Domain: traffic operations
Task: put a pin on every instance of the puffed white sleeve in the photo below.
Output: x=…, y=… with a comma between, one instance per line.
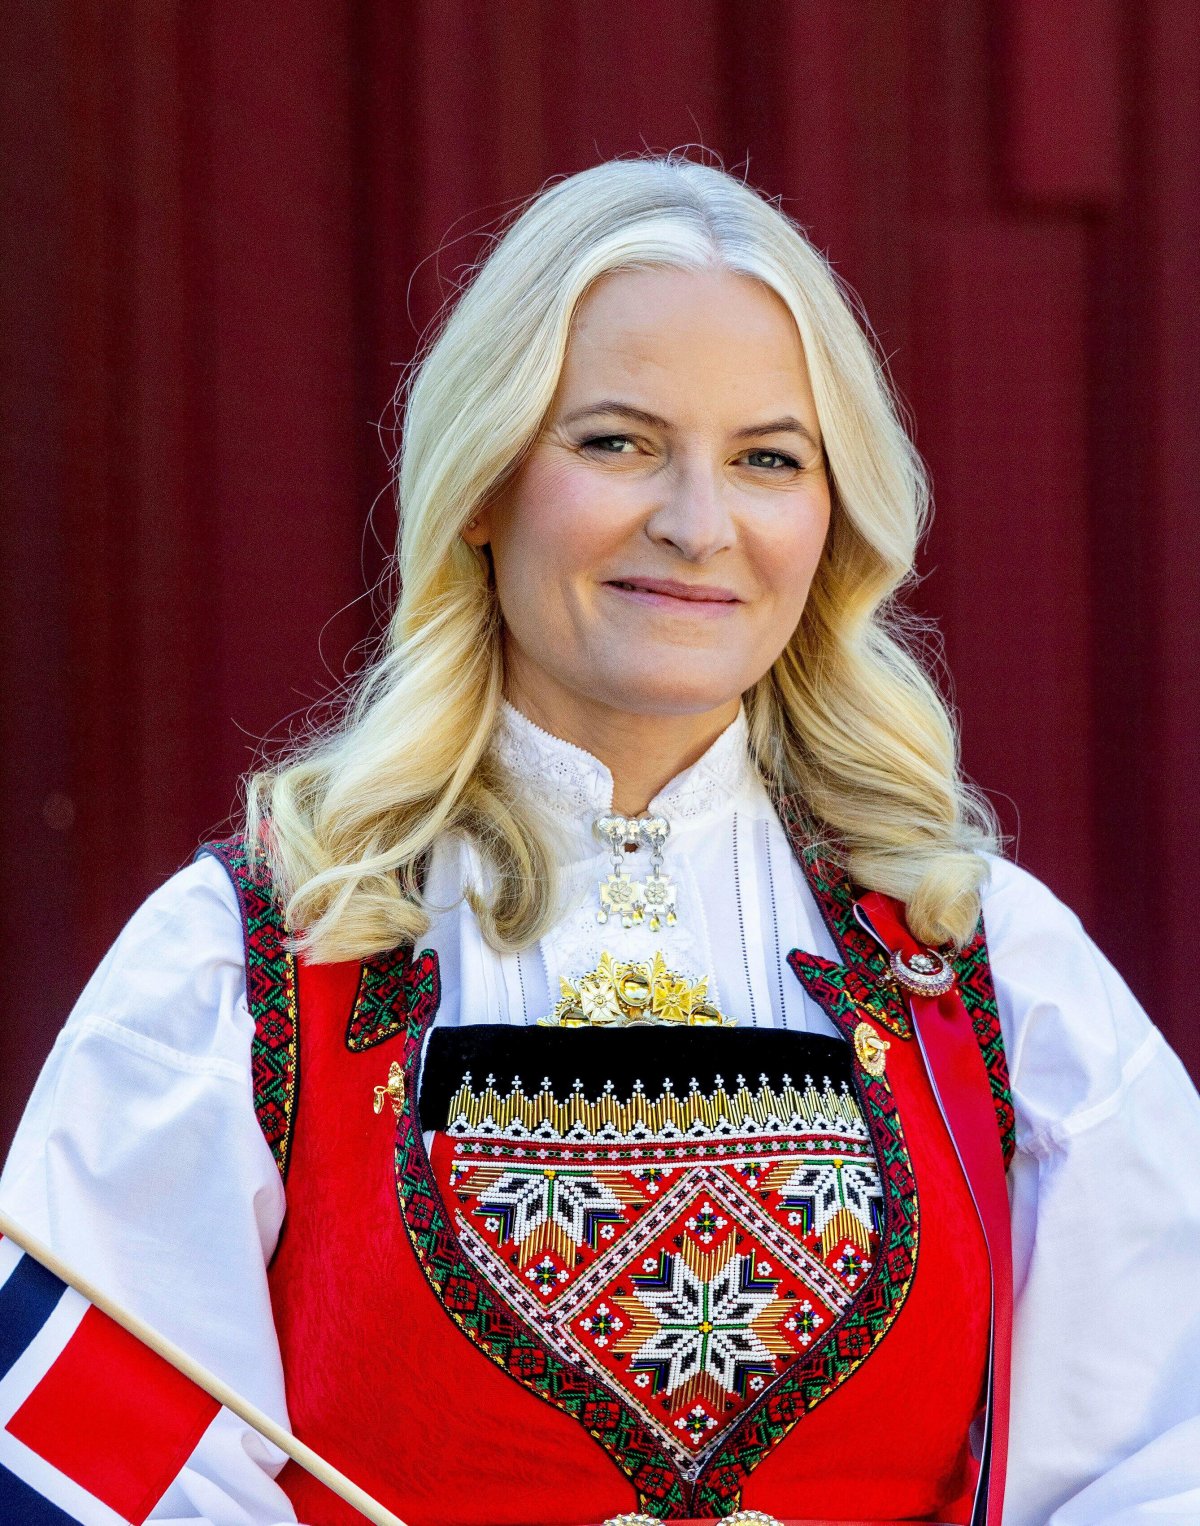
x=140, y=1162
x=1106, y=1231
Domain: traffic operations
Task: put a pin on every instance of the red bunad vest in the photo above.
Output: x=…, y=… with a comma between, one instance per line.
x=573, y=1273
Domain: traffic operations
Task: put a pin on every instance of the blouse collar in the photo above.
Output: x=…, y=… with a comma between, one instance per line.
x=575, y=785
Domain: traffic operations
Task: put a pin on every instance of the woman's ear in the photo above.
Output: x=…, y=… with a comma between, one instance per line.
x=477, y=531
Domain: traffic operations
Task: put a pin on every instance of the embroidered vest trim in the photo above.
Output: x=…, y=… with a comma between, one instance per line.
x=391, y=987
x=270, y=996
x=835, y=895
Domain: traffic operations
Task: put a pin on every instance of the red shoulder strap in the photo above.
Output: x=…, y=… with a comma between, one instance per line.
x=964, y=1093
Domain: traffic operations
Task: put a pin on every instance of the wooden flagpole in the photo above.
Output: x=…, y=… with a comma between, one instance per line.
x=208, y=1381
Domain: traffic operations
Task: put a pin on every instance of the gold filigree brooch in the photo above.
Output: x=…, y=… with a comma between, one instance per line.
x=617, y=994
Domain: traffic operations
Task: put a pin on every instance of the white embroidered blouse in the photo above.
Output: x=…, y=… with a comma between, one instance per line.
x=140, y=1160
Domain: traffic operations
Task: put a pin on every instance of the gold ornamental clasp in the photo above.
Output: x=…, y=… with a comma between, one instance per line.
x=394, y=1089
x=870, y=1049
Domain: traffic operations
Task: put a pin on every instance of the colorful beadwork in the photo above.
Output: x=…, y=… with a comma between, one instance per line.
x=684, y=1264
x=882, y=1294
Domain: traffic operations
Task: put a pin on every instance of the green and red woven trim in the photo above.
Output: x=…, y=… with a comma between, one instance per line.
x=270, y=996
x=835, y=894
x=394, y=990
x=979, y=997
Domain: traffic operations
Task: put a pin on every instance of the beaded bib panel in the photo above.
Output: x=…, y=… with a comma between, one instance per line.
x=657, y=1236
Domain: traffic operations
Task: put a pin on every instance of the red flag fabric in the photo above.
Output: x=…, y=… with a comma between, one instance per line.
x=94, y=1425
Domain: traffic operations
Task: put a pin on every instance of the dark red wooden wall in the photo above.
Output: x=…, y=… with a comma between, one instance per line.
x=225, y=226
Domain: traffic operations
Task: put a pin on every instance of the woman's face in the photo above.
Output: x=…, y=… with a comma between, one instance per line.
x=654, y=551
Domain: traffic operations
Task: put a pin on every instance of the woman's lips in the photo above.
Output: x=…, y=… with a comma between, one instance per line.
x=678, y=598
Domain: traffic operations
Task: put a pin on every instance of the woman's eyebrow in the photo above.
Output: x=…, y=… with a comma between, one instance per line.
x=785, y=425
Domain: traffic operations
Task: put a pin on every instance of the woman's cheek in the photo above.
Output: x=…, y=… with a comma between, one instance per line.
x=593, y=536
x=798, y=538
x=784, y=574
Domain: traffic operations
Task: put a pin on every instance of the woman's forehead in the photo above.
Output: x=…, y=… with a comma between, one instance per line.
x=663, y=339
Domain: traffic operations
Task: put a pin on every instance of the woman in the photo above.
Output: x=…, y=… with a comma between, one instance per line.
x=443, y=1180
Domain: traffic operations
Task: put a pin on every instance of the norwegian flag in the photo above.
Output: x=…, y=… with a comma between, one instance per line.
x=94, y=1425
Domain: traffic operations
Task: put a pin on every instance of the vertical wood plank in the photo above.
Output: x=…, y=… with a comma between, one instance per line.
x=1063, y=102
x=38, y=857
x=1002, y=360
x=1172, y=167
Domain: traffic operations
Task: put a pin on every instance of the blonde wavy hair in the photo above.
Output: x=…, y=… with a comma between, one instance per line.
x=846, y=726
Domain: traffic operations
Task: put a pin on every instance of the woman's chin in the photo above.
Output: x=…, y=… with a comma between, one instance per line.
x=672, y=691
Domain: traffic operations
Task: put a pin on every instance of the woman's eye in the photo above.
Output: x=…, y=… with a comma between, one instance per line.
x=778, y=456
x=603, y=443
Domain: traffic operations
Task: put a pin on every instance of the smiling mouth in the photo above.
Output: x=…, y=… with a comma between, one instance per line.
x=678, y=592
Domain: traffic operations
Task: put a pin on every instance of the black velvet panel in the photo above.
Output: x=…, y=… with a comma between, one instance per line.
x=622, y=1056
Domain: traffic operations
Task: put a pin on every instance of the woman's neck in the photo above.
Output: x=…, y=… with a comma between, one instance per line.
x=642, y=752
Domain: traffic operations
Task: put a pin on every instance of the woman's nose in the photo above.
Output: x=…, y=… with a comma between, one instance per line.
x=692, y=512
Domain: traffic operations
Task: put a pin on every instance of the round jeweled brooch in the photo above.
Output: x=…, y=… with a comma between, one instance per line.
x=924, y=972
